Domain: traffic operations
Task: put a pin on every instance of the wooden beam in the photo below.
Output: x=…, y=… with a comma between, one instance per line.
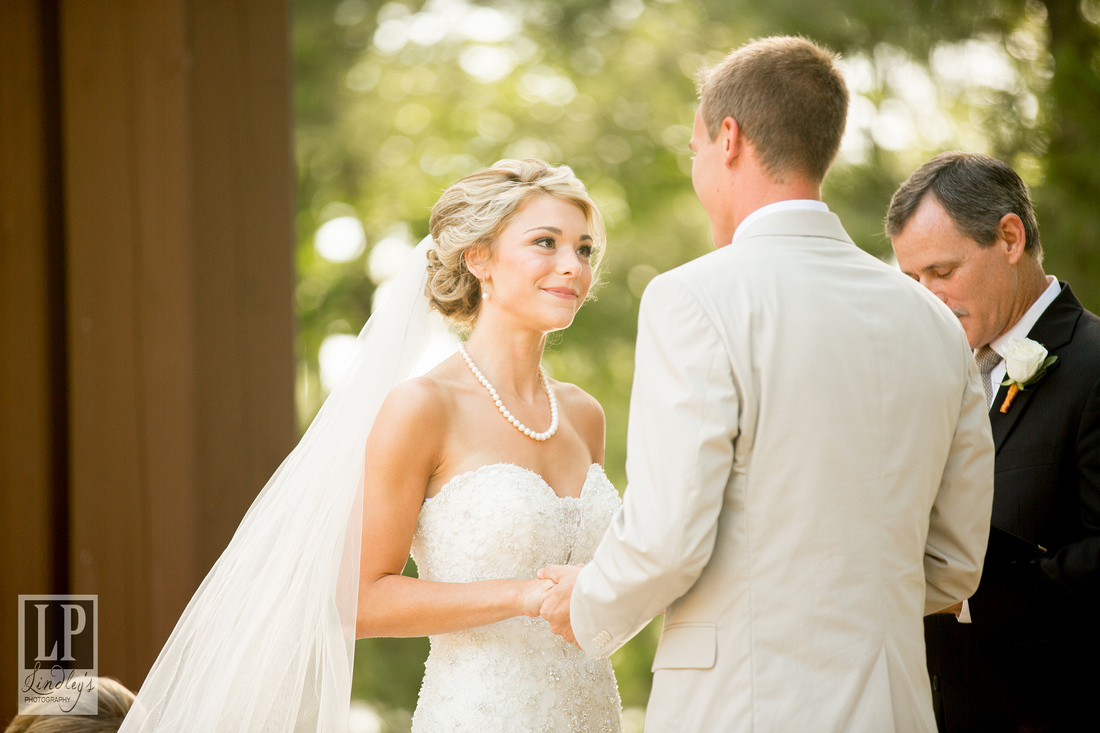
x=180, y=276
x=130, y=327
x=33, y=504
x=242, y=190
x=146, y=325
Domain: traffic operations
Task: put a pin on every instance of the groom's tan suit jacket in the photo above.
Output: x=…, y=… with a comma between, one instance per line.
x=810, y=472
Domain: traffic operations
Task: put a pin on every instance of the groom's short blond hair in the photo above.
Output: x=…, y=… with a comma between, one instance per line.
x=788, y=98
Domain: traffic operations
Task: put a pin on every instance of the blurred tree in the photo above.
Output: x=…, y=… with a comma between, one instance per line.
x=1071, y=185
x=395, y=100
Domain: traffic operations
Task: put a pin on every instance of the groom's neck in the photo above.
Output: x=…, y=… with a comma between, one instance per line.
x=749, y=186
x=757, y=189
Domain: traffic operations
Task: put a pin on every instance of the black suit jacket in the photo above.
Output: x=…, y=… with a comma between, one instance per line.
x=1030, y=661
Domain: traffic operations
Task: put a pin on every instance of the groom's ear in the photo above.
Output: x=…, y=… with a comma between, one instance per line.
x=732, y=139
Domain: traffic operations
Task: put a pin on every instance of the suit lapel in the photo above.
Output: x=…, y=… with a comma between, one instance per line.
x=1003, y=422
x=1054, y=329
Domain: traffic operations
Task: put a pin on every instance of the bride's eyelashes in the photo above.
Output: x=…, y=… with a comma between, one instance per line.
x=585, y=250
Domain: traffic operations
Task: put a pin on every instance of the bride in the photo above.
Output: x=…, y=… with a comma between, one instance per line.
x=490, y=470
x=484, y=468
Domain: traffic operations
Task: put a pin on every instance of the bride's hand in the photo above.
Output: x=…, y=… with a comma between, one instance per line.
x=534, y=595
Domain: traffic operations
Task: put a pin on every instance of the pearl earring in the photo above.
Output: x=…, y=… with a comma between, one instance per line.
x=484, y=292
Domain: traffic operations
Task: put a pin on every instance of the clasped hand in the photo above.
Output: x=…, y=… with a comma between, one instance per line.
x=550, y=598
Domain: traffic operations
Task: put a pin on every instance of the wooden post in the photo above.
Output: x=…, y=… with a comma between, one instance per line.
x=33, y=409
x=153, y=231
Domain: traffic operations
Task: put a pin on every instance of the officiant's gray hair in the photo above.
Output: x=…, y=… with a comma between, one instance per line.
x=975, y=190
x=788, y=98
x=471, y=214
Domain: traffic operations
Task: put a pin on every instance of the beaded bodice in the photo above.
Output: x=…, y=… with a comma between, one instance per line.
x=504, y=521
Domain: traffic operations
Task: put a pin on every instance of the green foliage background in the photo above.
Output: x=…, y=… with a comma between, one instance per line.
x=395, y=100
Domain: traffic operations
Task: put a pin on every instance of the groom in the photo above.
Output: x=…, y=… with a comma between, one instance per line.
x=810, y=464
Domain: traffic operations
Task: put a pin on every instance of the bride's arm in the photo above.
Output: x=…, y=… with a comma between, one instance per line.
x=402, y=452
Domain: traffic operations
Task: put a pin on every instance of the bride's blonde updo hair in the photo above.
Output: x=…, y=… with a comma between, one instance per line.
x=473, y=211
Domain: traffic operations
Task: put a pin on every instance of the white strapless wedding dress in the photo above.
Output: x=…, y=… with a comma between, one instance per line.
x=504, y=521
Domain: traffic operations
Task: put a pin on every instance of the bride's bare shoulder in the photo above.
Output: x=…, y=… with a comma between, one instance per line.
x=410, y=431
x=430, y=396
x=576, y=399
x=584, y=412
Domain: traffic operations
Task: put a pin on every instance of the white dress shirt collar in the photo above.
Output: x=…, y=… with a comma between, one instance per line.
x=1021, y=329
x=775, y=208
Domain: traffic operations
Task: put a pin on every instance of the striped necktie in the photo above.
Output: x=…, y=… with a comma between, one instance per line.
x=987, y=358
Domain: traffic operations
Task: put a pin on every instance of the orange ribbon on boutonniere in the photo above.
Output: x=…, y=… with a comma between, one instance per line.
x=1026, y=362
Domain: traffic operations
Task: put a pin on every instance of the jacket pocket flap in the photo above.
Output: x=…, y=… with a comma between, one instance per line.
x=687, y=646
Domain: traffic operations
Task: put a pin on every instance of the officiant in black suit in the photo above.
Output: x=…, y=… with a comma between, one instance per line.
x=1023, y=653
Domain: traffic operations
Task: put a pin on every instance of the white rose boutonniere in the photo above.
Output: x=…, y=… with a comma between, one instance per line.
x=1026, y=362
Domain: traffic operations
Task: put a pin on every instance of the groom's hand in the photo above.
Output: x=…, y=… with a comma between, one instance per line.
x=534, y=596
x=555, y=606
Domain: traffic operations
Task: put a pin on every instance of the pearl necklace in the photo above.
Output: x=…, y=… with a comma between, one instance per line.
x=504, y=410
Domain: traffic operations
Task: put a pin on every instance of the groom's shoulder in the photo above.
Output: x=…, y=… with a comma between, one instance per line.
x=728, y=258
x=680, y=280
x=696, y=286
x=728, y=266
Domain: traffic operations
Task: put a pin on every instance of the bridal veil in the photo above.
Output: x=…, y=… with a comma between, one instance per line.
x=267, y=642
